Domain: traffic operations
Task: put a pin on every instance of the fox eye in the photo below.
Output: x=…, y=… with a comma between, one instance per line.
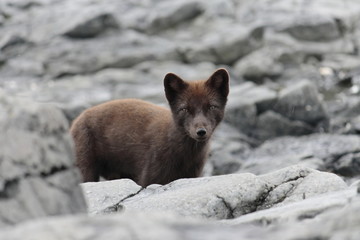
x=212, y=107
x=183, y=110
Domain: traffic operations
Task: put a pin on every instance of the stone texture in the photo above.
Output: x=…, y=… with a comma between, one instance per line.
x=314, y=28
x=37, y=174
x=228, y=145
x=309, y=208
x=262, y=113
x=301, y=102
x=108, y=193
x=271, y=125
x=76, y=54
x=93, y=26
x=164, y=226
x=246, y=101
x=224, y=197
x=271, y=65
x=320, y=151
x=166, y=15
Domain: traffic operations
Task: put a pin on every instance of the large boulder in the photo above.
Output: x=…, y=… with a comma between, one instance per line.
x=307, y=209
x=302, y=102
x=263, y=113
x=95, y=25
x=331, y=152
x=314, y=28
x=220, y=197
x=336, y=223
x=37, y=173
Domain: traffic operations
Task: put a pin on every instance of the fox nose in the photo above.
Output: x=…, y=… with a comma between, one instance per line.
x=201, y=132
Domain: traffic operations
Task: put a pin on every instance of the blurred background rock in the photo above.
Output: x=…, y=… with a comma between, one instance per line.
x=294, y=65
x=294, y=100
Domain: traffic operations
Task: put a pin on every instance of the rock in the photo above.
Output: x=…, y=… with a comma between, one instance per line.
x=76, y=54
x=263, y=97
x=37, y=173
x=239, y=41
x=92, y=27
x=344, y=111
x=73, y=94
x=348, y=165
x=270, y=66
x=227, y=145
x=314, y=28
x=166, y=15
x=13, y=45
x=261, y=114
x=320, y=151
x=219, y=197
x=227, y=196
x=71, y=58
x=308, y=209
x=295, y=183
x=326, y=224
x=301, y=102
x=270, y=125
x=108, y=193
x=341, y=62
x=245, y=102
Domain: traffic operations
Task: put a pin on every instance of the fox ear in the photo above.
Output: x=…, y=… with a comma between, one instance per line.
x=219, y=80
x=173, y=86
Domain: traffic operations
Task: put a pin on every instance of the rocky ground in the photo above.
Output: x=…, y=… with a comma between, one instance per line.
x=284, y=164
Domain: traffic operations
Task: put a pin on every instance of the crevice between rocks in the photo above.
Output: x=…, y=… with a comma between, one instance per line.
x=11, y=186
x=261, y=202
x=117, y=207
x=231, y=210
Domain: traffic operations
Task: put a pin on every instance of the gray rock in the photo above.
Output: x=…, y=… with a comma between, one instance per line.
x=326, y=224
x=108, y=193
x=270, y=125
x=37, y=174
x=227, y=196
x=219, y=197
x=238, y=42
x=295, y=183
x=320, y=151
x=307, y=209
x=347, y=165
x=246, y=101
x=341, y=62
x=166, y=15
x=73, y=94
x=71, y=58
x=301, y=102
x=270, y=66
x=262, y=113
x=227, y=145
x=314, y=28
x=92, y=27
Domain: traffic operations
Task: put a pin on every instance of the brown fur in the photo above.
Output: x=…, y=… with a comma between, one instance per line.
x=138, y=140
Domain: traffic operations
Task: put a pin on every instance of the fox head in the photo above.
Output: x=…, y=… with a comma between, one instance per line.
x=198, y=107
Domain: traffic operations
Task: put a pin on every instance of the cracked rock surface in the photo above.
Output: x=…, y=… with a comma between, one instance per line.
x=331, y=152
x=337, y=219
x=37, y=174
x=218, y=197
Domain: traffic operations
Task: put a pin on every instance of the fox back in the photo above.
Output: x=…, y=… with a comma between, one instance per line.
x=149, y=144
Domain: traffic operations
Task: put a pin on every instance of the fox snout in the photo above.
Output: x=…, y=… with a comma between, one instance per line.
x=200, y=130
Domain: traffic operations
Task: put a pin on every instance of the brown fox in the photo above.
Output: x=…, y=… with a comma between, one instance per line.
x=149, y=144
